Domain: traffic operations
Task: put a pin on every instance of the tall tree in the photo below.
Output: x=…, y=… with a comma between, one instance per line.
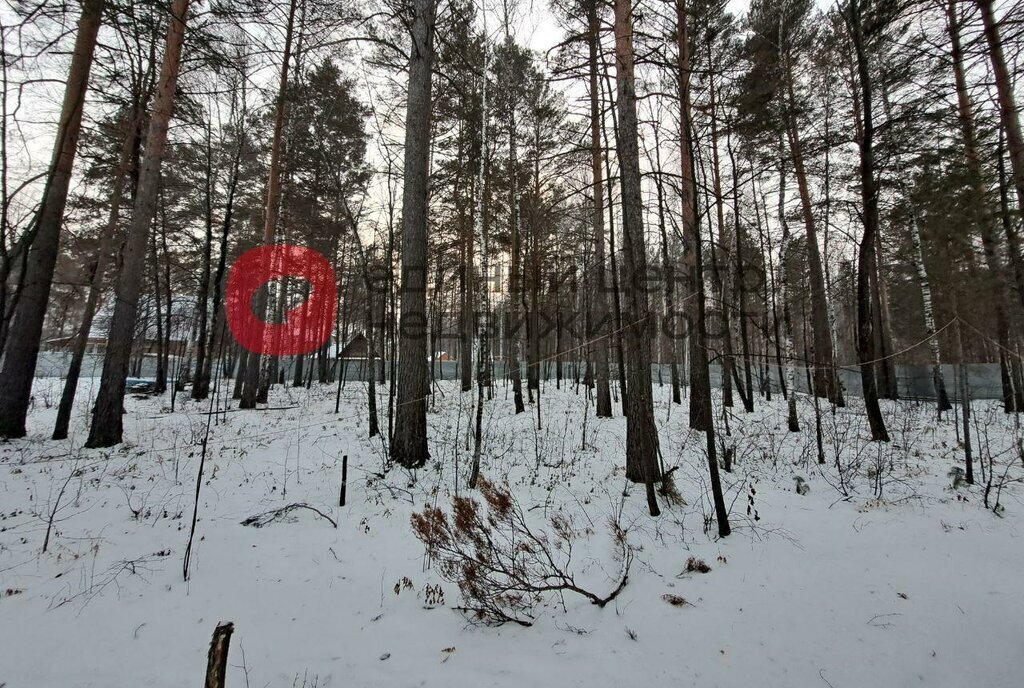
x=701, y=418
x=599, y=304
x=782, y=38
x=641, y=433
x=700, y=379
x=938, y=380
x=257, y=369
x=784, y=292
x=409, y=446
x=1008, y=111
x=98, y=269
x=22, y=346
x=866, y=20
x=106, y=428
x=514, y=84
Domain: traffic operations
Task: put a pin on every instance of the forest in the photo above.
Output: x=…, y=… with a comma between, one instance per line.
x=504, y=342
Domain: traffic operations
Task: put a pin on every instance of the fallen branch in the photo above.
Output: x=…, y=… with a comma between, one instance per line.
x=267, y=517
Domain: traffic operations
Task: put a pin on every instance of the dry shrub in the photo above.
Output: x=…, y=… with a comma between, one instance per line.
x=695, y=565
x=675, y=600
x=502, y=566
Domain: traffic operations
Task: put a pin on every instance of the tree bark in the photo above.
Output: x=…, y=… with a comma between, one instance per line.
x=641, y=433
x=616, y=293
x=409, y=447
x=480, y=226
x=885, y=368
x=467, y=281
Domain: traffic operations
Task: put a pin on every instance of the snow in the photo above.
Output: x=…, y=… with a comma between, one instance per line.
x=916, y=586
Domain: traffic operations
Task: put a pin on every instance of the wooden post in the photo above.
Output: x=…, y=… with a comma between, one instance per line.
x=344, y=479
x=217, y=664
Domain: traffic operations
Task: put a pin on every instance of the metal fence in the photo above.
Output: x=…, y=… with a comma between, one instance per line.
x=912, y=380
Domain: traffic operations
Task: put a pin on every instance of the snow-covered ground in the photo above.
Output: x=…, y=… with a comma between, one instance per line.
x=905, y=581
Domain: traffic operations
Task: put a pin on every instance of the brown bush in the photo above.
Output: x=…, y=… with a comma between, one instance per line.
x=695, y=565
x=502, y=567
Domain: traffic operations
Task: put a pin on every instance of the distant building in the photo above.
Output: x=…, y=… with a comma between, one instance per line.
x=182, y=326
x=355, y=350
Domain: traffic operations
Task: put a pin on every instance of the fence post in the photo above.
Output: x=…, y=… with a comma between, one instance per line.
x=344, y=479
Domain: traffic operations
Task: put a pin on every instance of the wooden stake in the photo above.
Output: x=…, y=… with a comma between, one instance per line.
x=344, y=479
x=217, y=664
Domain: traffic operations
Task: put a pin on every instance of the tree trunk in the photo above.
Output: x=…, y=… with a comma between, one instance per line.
x=740, y=286
x=770, y=320
x=466, y=284
x=515, y=221
x=1013, y=375
x=993, y=263
x=98, y=272
x=866, y=350
x=616, y=293
x=886, y=367
x=701, y=414
x=641, y=433
x=409, y=447
x=533, y=318
x=243, y=363
x=160, y=384
x=787, y=319
x=203, y=300
x=371, y=353
x=106, y=427
x=700, y=381
x=667, y=275
x=480, y=226
x=299, y=361
x=1004, y=89
x=21, y=348
x=719, y=275
x=942, y=399
x=823, y=361
x=602, y=331
x=201, y=386
x=257, y=370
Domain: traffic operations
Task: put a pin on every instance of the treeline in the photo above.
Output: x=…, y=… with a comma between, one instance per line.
x=798, y=185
